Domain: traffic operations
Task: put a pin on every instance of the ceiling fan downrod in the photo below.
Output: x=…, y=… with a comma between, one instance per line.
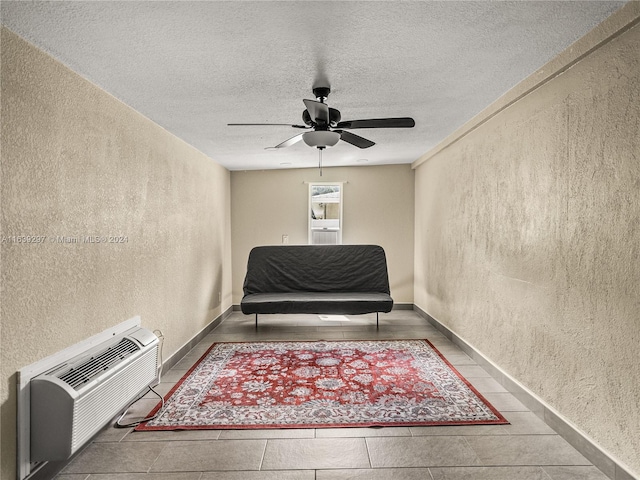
x=320, y=159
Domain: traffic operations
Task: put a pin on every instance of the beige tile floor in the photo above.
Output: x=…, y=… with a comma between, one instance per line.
x=526, y=449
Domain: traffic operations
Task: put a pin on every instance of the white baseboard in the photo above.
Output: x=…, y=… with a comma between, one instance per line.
x=188, y=346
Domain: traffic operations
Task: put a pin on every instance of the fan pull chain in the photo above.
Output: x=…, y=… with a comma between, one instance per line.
x=320, y=161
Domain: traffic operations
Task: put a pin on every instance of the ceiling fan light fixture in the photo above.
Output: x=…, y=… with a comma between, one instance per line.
x=321, y=138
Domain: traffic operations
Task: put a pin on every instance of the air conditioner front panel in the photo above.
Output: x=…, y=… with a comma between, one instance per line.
x=93, y=410
x=64, y=416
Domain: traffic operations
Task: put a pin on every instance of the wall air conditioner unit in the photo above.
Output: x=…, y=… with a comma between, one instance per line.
x=72, y=401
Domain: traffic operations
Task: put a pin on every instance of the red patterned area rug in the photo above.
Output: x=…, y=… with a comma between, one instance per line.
x=321, y=384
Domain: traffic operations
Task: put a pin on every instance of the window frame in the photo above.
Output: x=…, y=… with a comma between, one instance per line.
x=310, y=228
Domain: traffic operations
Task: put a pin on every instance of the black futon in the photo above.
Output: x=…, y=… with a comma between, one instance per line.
x=320, y=279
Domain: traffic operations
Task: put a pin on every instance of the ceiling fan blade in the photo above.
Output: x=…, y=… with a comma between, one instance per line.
x=265, y=124
x=356, y=140
x=401, y=122
x=318, y=111
x=287, y=143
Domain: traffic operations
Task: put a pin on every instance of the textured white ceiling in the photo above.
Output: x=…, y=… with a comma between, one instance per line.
x=193, y=67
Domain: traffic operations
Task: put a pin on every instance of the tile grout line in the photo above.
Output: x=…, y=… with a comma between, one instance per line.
x=264, y=451
x=546, y=473
x=468, y=444
x=157, y=457
x=366, y=444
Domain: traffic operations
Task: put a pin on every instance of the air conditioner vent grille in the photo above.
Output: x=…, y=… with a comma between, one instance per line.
x=86, y=371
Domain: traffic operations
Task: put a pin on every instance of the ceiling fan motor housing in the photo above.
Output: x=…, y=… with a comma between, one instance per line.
x=334, y=117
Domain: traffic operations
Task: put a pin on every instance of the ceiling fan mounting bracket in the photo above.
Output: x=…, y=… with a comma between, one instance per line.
x=321, y=93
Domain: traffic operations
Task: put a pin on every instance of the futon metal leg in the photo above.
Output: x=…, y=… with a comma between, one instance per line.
x=256, y=321
x=377, y=324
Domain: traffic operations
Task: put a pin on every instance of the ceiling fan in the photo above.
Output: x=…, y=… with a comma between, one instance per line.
x=325, y=128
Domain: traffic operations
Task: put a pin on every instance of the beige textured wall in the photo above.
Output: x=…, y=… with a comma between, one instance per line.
x=77, y=162
x=378, y=209
x=528, y=239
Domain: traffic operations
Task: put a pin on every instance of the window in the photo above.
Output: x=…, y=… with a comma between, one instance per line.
x=325, y=213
